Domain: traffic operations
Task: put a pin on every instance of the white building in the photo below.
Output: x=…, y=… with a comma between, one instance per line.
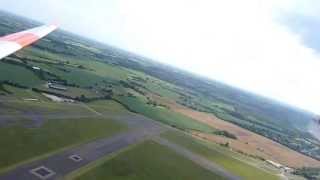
x=279, y=166
x=36, y=68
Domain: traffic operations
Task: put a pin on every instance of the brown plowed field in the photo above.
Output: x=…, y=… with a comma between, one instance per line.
x=247, y=142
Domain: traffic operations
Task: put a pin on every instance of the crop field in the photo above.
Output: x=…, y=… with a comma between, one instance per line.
x=148, y=161
x=233, y=165
x=19, y=142
x=247, y=141
x=27, y=77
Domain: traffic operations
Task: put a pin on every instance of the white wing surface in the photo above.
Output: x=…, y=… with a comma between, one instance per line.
x=11, y=43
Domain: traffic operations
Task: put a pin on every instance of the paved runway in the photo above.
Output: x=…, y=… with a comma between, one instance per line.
x=141, y=128
x=61, y=164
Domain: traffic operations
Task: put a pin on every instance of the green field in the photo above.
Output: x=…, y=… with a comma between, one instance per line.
x=26, y=77
x=93, y=72
x=164, y=115
x=231, y=164
x=107, y=106
x=148, y=161
x=23, y=93
x=19, y=143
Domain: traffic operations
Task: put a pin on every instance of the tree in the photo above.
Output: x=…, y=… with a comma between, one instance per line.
x=226, y=144
x=81, y=67
x=82, y=98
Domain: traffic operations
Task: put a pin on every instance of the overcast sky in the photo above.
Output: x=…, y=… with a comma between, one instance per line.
x=270, y=47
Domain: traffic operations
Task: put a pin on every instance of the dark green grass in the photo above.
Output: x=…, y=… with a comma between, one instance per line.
x=18, y=74
x=94, y=72
x=164, y=115
x=19, y=143
x=232, y=165
x=76, y=76
x=149, y=161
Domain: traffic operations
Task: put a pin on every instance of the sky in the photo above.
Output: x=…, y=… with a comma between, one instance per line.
x=270, y=47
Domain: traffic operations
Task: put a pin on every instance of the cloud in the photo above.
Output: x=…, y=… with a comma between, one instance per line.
x=240, y=43
x=308, y=8
x=243, y=43
x=303, y=17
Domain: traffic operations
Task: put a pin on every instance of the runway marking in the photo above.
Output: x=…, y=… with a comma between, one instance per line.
x=42, y=172
x=75, y=158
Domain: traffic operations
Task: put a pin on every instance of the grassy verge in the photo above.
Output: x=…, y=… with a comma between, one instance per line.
x=41, y=108
x=146, y=161
x=107, y=106
x=19, y=143
x=231, y=164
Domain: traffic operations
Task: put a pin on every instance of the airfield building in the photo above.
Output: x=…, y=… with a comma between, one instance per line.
x=56, y=87
x=36, y=68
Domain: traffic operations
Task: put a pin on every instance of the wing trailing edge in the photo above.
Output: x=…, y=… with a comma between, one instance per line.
x=11, y=43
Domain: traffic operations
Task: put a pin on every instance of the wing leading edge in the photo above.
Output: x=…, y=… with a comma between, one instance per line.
x=11, y=43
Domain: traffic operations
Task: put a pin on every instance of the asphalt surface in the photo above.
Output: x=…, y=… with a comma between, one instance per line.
x=140, y=129
x=61, y=164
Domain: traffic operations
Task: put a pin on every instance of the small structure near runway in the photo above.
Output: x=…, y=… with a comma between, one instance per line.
x=30, y=99
x=75, y=158
x=36, y=68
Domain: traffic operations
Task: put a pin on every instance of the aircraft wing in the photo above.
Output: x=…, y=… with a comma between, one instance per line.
x=11, y=43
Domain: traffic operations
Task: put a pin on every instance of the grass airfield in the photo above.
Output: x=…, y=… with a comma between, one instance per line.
x=21, y=134
x=145, y=161
x=19, y=142
x=227, y=161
